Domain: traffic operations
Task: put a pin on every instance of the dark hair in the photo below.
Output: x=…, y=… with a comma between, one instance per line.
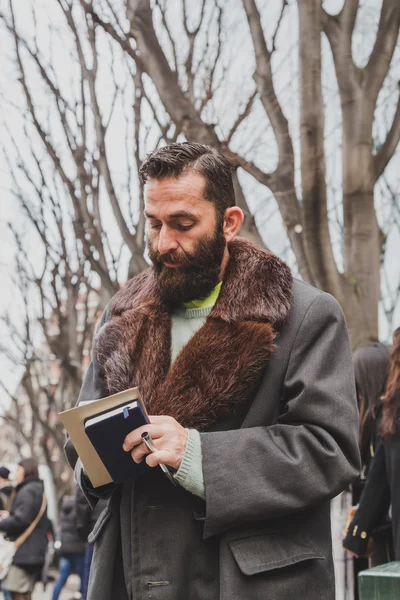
x=179, y=159
x=4, y=472
x=371, y=366
x=391, y=400
x=30, y=466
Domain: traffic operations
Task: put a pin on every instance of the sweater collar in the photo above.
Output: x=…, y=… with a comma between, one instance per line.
x=207, y=302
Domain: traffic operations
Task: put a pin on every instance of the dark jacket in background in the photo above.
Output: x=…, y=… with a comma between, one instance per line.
x=392, y=455
x=71, y=540
x=367, y=457
x=24, y=509
x=381, y=489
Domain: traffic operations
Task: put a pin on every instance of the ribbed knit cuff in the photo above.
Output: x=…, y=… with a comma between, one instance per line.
x=190, y=473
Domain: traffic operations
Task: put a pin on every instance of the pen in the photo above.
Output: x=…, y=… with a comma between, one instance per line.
x=150, y=445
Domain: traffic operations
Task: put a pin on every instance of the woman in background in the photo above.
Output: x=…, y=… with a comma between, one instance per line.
x=383, y=483
x=371, y=367
x=390, y=432
x=25, y=507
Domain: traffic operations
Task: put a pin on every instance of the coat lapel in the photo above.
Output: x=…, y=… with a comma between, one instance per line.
x=221, y=365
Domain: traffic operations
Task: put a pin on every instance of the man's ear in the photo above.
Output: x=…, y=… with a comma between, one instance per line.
x=233, y=219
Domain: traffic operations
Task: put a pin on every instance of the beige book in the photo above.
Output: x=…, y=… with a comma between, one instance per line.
x=74, y=422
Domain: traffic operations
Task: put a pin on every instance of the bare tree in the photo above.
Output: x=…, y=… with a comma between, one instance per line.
x=48, y=384
x=59, y=299
x=68, y=264
x=77, y=148
x=305, y=212
x=72, y=165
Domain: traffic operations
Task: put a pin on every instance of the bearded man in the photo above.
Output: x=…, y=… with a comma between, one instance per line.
x=248, y=380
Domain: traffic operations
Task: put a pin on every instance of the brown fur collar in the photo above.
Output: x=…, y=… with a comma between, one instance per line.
x=221, y=364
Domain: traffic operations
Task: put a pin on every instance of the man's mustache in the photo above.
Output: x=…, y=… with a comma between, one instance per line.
x=172, y=258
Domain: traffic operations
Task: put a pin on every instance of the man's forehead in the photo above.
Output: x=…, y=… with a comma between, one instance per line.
x=189, y=184
x=174, y=196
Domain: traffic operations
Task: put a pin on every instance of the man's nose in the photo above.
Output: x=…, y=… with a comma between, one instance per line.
x=166, y=241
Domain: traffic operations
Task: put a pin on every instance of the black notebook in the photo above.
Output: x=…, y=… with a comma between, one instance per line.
x=107, y=432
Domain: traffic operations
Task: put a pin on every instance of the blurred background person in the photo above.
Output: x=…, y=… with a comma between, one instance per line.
x=6, y=489
x=87, y=518
x=70, y=546
x=25, y=507
x=381, y=488
x=371, y=367
x=390, y=433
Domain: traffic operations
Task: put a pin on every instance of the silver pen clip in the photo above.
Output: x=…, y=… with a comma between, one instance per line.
x=150, y=445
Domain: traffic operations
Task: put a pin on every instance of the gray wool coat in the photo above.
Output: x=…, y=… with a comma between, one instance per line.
x=270, y=471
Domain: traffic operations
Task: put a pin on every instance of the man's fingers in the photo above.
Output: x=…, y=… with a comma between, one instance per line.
x=168, y=436
x=161, y=419
x=157, y=427
x=161, y=457
x=134, y=438
x=139, y=452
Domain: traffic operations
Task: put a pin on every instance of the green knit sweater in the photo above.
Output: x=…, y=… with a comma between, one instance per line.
x=185, y=323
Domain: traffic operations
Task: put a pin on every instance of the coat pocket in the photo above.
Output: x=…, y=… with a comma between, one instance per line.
x=269, y=551
x=101, y=522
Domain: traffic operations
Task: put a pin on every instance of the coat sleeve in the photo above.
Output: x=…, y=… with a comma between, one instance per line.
x=93, y=388
x=310, y=454
x=24, y=510
x=372, y=508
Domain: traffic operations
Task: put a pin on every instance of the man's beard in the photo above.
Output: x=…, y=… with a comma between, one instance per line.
x=198, y=275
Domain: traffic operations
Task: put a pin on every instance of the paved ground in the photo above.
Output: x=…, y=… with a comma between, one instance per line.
x=67, y=593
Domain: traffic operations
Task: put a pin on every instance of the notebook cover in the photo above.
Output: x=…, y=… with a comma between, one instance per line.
x=107, y=437
x=74, y=422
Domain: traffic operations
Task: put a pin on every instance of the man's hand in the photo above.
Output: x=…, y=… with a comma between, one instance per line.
x=169, y=438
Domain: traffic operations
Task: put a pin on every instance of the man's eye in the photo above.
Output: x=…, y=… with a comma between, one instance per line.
x=184, y=227
x=155, y=225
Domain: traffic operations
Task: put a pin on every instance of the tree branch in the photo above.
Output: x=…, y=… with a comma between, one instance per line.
x=386, y=151
x=192, y=35
x=281, y=182
x=209, y=87
x=265, y=84
x=241, y=117
x=284, y=6
x=163, y=13
x=339, y=31
x=314, y=199
x=385, y=44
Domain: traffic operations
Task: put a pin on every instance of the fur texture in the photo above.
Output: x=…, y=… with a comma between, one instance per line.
x=221, y=364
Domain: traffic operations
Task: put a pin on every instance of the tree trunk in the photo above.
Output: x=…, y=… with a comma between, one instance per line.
x=362, y=236
x=361, y=284
x=249, y=228
x=314, y=199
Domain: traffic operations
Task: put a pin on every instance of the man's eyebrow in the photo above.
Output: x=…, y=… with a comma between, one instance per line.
x=182, y=214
